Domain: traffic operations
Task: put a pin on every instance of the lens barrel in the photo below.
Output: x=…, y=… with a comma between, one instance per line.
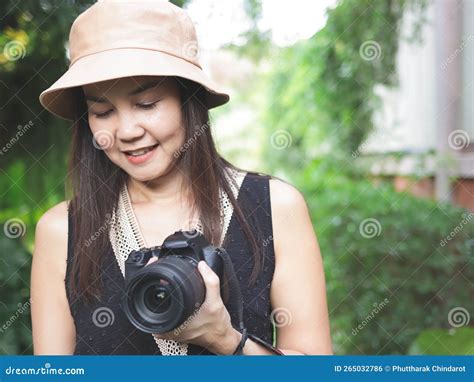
x=162, y=295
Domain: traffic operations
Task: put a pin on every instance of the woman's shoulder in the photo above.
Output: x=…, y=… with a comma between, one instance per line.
x=51, y=232
x=283, y=194
x=55, y=217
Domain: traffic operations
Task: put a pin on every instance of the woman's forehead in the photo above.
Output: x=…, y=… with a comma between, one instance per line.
x=126, y=85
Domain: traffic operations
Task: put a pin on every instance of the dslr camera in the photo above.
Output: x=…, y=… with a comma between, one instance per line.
x=161, y=296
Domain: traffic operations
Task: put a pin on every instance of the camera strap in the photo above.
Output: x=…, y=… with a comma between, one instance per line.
x=235, y=301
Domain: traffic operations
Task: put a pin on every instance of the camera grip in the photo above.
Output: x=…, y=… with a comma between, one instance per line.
x=214, y=261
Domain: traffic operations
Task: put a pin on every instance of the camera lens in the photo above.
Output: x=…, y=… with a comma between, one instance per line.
x=163, y=294
x=157, y=298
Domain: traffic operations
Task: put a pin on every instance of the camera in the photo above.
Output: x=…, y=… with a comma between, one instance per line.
x=161, y=296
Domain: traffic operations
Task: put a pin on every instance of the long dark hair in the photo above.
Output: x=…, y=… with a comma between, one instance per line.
x=95, y=184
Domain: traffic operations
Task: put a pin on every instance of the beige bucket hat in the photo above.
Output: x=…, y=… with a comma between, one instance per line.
x=114, y=39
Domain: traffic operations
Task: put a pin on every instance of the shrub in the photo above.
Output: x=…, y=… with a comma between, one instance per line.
x=444, y=342
x=15, y=319
x=379, y=245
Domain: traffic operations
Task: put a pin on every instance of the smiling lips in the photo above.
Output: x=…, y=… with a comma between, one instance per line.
x=141, y=155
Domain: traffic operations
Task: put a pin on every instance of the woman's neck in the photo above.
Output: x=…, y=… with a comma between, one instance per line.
x=165, y=190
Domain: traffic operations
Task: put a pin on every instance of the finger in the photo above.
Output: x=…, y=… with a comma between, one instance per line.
x=152, y=260
x=211, y=280
x=165, y=336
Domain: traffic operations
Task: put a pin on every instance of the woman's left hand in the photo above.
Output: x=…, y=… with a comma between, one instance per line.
x=210, y=325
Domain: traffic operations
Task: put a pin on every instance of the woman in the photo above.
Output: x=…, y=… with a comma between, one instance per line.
x=144, y=165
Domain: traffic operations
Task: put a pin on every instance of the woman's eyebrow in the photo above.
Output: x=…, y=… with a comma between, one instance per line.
x=147, y=85
x=140, y=89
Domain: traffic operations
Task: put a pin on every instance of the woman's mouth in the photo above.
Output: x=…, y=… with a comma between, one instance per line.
x=141, y=155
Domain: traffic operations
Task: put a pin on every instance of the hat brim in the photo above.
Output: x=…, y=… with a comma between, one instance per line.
x=59, y=98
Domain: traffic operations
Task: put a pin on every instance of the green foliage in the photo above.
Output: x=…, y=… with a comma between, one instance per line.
x=397, y=255
x=15, y=324
x=33, y=37
x=444, y=342
x=33, y=166
x=319, y=107
x=321, y=92
x=253, y=43
x=322, y=89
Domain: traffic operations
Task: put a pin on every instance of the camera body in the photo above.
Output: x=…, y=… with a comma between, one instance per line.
x=161, y=296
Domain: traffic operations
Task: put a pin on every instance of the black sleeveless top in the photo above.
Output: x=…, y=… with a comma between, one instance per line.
x=102, y=327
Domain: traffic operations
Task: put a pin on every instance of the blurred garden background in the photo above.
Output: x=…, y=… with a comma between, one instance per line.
x=366, y=106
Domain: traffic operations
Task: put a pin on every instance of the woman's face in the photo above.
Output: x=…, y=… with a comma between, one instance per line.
x=137, y=122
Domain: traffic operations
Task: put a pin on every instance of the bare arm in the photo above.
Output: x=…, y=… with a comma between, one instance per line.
x=53, y=326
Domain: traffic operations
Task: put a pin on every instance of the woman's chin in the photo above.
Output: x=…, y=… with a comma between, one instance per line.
x=143, y=176
x=146, y=173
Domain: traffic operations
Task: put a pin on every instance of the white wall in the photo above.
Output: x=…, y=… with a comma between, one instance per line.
x=407, y=120
x=468, y=68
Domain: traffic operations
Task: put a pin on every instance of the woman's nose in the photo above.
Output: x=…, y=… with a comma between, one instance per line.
x=129, y=127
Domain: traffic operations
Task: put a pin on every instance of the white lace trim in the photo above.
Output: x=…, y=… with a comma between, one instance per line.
x=125, y=236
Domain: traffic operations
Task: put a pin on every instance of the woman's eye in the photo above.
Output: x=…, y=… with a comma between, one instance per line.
x=147, y=106
x=103, y=115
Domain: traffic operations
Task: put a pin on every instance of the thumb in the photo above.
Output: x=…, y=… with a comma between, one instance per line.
x=211, y=280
